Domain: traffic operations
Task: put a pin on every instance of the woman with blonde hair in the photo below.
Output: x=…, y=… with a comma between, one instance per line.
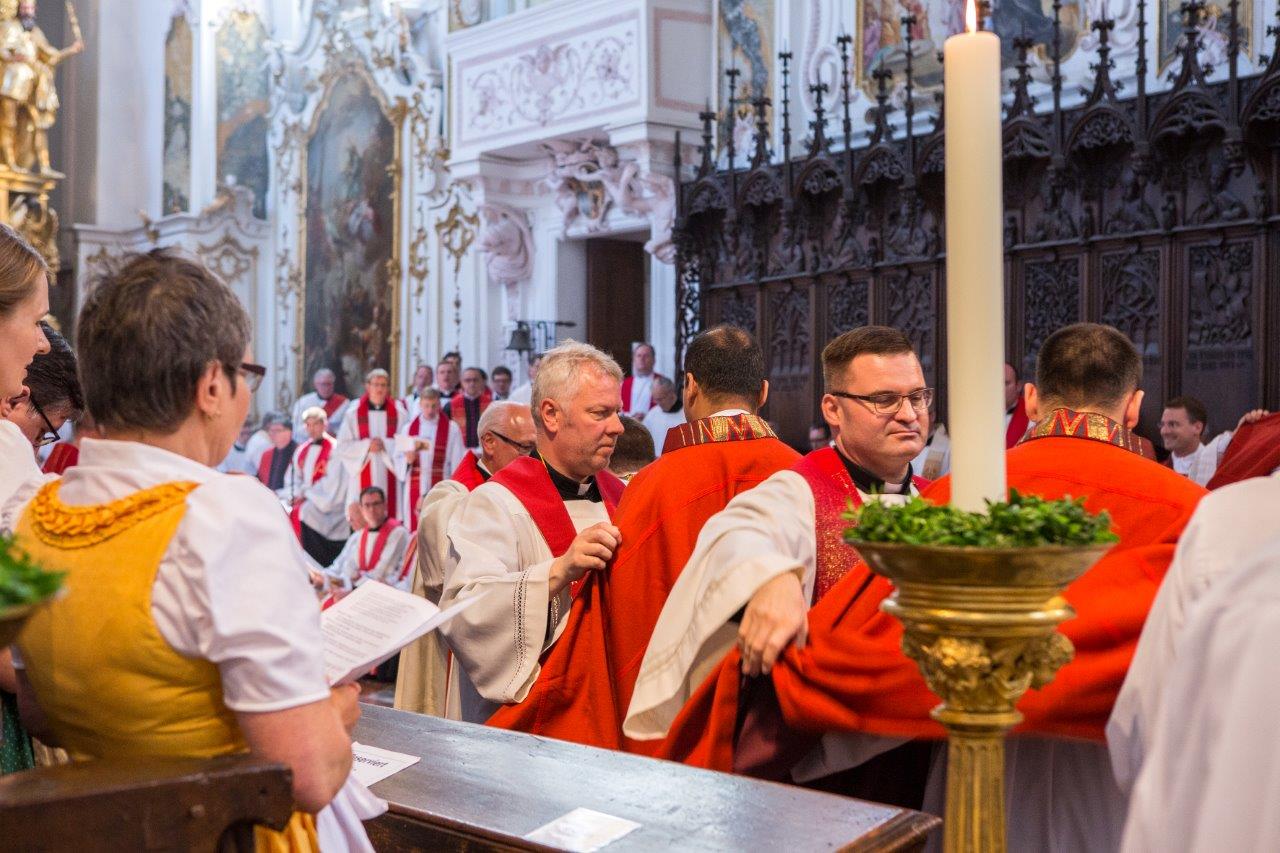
x=174, y=638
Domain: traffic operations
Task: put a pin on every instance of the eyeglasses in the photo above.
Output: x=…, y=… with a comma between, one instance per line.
x=523, y=449
x=50, y=435
x=890, y=404
x=253, y=375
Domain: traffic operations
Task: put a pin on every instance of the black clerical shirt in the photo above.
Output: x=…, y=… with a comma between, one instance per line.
x=280, y=459
x=569, y=488
x=870, y=484
x=471, y=408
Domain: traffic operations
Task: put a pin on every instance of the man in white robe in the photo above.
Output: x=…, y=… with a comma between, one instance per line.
x=637, y=389
x=1212, y=778
x=315, y=491
x=324, y=397
x=1182, y=426
x=506, y=434
x=664, y=414
x=375, y=553
x=366, y=439
x=1229, y=527
x=526, y=537
x=423, y=377
x=427, y=449
x=524, y=393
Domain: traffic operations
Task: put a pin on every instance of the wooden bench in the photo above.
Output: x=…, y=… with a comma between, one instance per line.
x=156, y=805
x=478, y=788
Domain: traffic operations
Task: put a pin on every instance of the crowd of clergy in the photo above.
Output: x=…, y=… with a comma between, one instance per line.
x=648, y=567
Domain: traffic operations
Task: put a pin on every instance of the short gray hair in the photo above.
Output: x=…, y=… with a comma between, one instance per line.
x=375, y=373
x=663, y=382
x=148, y=332
x=561, y=373
x=314, y=413
x=497, y=413
x=324, y=371
x=279, y=419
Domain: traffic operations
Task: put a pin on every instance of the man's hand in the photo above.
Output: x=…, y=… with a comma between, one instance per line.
x=376, y=445
x=346, y=701
x=422, y=445
x=1252, y=417
x=591, y=551
x=776, y=614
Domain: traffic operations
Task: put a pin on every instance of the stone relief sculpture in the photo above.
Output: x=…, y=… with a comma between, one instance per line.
x=590, y=178
x=507, y=243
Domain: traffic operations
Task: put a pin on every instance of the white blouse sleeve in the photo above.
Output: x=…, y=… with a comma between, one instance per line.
x=233, y=589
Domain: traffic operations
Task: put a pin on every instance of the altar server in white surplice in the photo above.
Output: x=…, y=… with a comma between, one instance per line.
x=1211, y=779
x=376, y=551
x=427, y=449
x=526, y=538
x=1229, y=527
x=366, y=439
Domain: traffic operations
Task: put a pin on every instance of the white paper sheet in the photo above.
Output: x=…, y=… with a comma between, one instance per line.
x=371, y=764
x=582, y=831
x=373, y=623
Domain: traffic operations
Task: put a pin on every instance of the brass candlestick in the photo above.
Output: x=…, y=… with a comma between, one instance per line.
x=981, y=623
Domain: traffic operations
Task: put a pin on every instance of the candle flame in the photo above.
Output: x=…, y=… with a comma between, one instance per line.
x=971, y=16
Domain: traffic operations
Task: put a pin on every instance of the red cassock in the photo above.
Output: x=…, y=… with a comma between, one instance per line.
x=852, y=675
x=468, y=472
x=1018, y=423
x=586, y=681
x=1254, y=451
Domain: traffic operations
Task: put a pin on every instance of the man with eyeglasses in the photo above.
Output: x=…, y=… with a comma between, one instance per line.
x=776, y=551
x=53, y=397
x=427, y=448
x=506, y=434
x=374, y=553
x=275, y=462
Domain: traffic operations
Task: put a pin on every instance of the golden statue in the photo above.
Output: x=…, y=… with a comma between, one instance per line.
x=28, y=94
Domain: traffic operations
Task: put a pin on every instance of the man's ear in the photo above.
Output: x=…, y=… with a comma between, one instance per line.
x=764, y=396
x=691, y=391
x=1031, y=399
x=1133, y=409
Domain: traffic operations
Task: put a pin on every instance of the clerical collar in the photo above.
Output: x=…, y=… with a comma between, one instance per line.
x=375, y=529
x=569, y=488
x=377, y=407
x=870, y=484
x=484, y=471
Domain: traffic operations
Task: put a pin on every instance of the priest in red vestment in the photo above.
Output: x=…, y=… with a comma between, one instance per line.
x=850, y=675
x=366, y=441
x=637, y=389
x=466, y=407
x=506, y=434
x=1016, y=421
x=524, y=540
x=585, y=685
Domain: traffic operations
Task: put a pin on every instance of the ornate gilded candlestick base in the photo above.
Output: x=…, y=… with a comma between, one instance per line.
x=981, y=623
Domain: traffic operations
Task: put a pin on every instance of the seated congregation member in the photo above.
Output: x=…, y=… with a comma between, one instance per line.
x=24, y=300
x=665, y=413
x=53, y=396
x=273, y=467
x=316, y=491
x=586, y=681
x=852, y=676
x=375, y=552
x=366, y=442
x=506, y=434
x=323, y=396
x=526, y=538
x=436, y=448
x=173, y=638
x=466, y=407
x=634, y=450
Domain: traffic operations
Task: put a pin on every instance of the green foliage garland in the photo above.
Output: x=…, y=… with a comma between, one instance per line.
x=22, y=581
x=1025, y=521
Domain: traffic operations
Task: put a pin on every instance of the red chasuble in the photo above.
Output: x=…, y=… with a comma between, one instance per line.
x=468, y=472
x=1254, y=451
x=587, y=679
x=362, y=432
x=1018, y=423
x=852, y=675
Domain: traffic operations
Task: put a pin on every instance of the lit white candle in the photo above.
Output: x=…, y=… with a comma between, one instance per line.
x=975, y=265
